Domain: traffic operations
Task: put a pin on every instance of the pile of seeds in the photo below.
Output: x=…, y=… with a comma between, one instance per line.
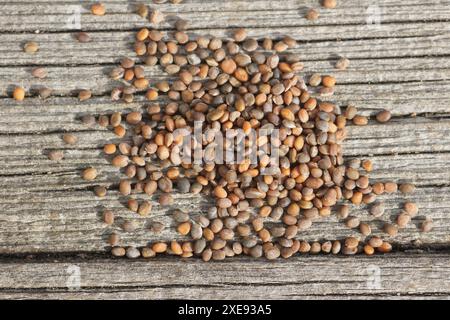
x=241, y=87
x=226, y=85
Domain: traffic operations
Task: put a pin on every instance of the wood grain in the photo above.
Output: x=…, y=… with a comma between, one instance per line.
x=401, y=65
x=304, y=277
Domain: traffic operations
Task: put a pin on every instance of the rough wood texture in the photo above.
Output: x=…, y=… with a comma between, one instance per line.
x=380, y=277
x=401, y=65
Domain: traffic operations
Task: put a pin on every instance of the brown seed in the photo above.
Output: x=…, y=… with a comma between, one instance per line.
x=142, y=10
x=352, y=222
x=390, y=187
x=272, y=253
x=118, y=251
x=109, y=148
x=220, y=192
x=114, y=239
x=166, y=199
x=156, y=17
x=312, y=14
x=367, y=165
x=120, y=161
x=39, y=72
x=31, y=47
x=108, y=217
x=383, y=116
x=406, y=188
x=89, y=174
x=44, y=93
x=69, y=138
x=228, y=66
x=411, y=208
x=100, y=191
x=377, y=209
x=240, y=35
x=98, y=9
x=369, y=250
x=360, y=120
x=19, y=93
x=184, y=228
x=385, y=247
x=147, y=253
x=342, y=64
x=55, y=155
x=84, y=95
x=390, y=229
x=426, y=225
x=403, y=219
x=365, y=229
x=351, y=242
x=329, y=81
x=159, y=247
x=375, y=242
x=329, y=4
x=82, y=37
x=145, y=208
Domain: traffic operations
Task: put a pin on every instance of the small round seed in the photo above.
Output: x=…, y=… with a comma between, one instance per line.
x=312, y=14
x=69, y=138
x=118, y=251
x=19, y=93
x=98, y=9
x=108, y=217
x=403, y=219
x=31, y=47
x=342, y=64
x=56, y=155
x=390, y=229
x=82, y=37
x=406, y=188
x=411, y=208
x=89, y=174
x=329, y=4
x=426, y=225
x=39, y=73
x=84, y=95
x=100, y=191
x=383, y=116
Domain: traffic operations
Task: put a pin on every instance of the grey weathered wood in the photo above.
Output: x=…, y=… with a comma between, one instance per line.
x=401, y=65
x=381, y=277
x=54, y=16
x=66, y=81
x=109, y=47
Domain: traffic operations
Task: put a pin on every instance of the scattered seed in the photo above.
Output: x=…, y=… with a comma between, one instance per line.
x=39, y=72
x=89, y=174
x=342, y=63
x=19, y=93
x=84, y=95
x=329, y=4
x=98, y=9
x=69, y=138
x=407, y=188
x=426, y=225
x=383, y=116
x=56, y=155
x=83, y=37
x=108, y=217
x=31, y=47
x=312, y=14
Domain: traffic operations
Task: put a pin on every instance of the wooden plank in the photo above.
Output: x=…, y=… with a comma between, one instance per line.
x=263, y=13
x=108, y=47
x=70, y=220
x=381, y=277
x=66, y=81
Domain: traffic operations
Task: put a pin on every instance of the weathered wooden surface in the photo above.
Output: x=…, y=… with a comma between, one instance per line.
x=401, y=65
x=379, y=277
